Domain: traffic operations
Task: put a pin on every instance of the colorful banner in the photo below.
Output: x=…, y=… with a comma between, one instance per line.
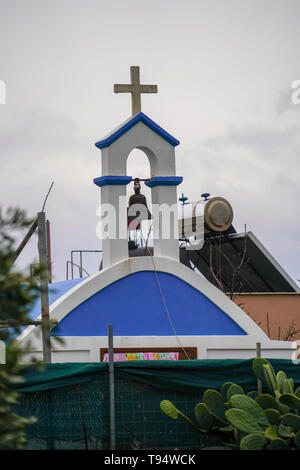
x=144, y=356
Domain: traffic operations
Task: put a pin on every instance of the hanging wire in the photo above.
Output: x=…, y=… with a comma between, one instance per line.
x=162, y=295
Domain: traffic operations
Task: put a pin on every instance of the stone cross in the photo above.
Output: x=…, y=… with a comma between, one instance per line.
x=135, y=88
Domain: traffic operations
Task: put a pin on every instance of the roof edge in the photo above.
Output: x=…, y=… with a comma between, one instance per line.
x=140, y=117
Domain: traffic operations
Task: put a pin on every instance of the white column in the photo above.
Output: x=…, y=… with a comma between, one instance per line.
x=115, y=247
x=165, y=222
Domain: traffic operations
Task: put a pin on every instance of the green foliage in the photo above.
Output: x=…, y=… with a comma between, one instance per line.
x=245, y=403
x=291, y=420
x=297, y=392
x=234, y=390
x=297, y=440
x=257, y=367
x=17, y=294
x=278, y=444
x=215, y=404
x=242, y=420
x=285, y=431
x=203, y=417
x=254, y=441
x=169, y=409
x=265, y=401
x=253, y=421
x=273, y=415
x=270, y=378
x=224, y=389
x=290, y=400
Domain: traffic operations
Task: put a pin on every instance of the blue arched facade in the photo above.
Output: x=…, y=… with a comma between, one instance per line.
x=134, y=306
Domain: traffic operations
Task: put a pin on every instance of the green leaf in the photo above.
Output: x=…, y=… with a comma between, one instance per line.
x=215, y=403
x=253, y=441
x=272, y=432
x=265, y=400
x=203, y=416
x=234, y=390
x=279, y=444
x=284, y=431
x=225, y=388
x=242, y=420
x=292, y=420
x=290, y=400
x=169, y=409
x=253, y=394
x=273, y=416
x=228, y=428
x=251, y=406
x=281, y=381
x=257, y=366
x=270, y=377
x=291, y=385
x=297, y=439
x=297, y=392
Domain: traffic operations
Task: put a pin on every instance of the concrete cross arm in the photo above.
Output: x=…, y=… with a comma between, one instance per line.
x=136, y=89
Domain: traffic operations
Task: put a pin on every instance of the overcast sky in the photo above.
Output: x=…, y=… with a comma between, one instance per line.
x=224, y=71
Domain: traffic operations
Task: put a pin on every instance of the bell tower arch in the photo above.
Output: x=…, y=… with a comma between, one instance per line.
x=140, y=132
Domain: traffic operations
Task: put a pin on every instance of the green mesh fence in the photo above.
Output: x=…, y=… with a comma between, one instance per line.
x=76, y=415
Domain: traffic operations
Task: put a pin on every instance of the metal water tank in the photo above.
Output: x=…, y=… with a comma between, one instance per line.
x=218, y=214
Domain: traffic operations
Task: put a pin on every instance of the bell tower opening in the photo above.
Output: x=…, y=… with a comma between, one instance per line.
x=138, y=194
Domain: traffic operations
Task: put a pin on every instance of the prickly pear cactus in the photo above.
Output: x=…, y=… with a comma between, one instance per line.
x=245, y=403
x=234, y=390
x=254, y=441
x=203, y=417
x=253, y=421
x=242, y=421
x=216, y=405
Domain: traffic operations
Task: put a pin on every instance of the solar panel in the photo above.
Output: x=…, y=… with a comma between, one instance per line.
x=240, y=263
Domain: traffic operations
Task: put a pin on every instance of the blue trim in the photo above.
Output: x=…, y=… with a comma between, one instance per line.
x=140, y=117
x=56, y=290
x=164, y=181
x=134, y=306
x=112, y=180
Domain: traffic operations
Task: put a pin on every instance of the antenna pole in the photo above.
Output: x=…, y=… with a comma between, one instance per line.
x=44, y=287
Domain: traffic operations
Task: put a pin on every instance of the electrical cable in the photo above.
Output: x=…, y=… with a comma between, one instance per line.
x=163, y=297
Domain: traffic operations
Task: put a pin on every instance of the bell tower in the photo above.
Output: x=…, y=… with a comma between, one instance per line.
x=142, y=133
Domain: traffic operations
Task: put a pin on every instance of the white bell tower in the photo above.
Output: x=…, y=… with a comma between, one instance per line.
x=139, y=132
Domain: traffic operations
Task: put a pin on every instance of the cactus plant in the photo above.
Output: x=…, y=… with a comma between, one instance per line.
x=285, y=431
x=297, y=440
x=234, y=390
x=215, y=403
x=254, y=441
x=242, y=420
x=278, y=444
x=297, y=392
x=253, y=421
x=290, y=400
x=270, y=378
x=245, y=403
x=291, y=420
x=273, y=416
x=265, y=400
x=225, y=388
x=170, y=410
x=203, y=417
x=257, y=367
